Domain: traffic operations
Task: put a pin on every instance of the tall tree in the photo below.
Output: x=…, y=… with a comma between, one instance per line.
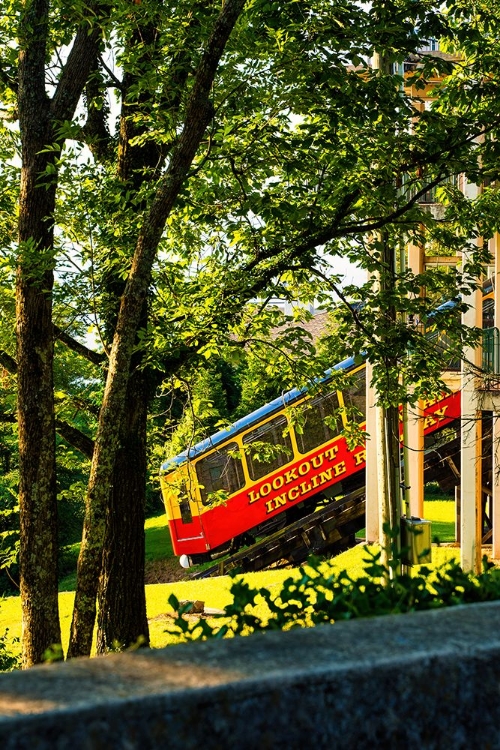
x=250, y=154
x=197, y=117
x=41, y=124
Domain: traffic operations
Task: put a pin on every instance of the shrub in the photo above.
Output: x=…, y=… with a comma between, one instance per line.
x=318, y=595
x=8, y=660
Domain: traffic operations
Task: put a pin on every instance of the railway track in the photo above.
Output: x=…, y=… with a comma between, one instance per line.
x=328, y=530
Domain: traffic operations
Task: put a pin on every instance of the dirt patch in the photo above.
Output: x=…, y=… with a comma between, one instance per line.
x=165, y=571
x=191, y=610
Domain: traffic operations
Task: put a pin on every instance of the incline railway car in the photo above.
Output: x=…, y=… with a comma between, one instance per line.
x=218, y=494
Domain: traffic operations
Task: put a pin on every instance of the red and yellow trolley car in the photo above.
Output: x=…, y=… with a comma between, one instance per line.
x=218, y=493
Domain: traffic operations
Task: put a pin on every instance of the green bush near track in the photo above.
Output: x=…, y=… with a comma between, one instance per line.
x=214, y=592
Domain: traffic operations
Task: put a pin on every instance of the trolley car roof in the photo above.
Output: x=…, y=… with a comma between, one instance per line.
x=255, y=416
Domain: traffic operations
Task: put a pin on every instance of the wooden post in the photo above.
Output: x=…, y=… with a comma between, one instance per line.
x=471, y=484
x=495, y=468
x=371, y=479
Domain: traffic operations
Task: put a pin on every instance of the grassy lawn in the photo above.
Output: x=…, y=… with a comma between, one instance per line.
x=158, y=542
x=215, y=591
x=158, y=547
x=442, y=515
x=441, y=511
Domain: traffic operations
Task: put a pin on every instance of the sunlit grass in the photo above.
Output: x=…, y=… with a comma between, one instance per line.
x=442, y=515
x=441, y=512
x=158, y=547
x=158, y=542
x=215, y=592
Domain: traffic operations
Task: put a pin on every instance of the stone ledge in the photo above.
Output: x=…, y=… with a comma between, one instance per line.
x=424, y=680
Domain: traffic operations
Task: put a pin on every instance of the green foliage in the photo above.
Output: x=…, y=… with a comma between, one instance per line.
x=319, y=596
x=8, y=659
x=199, y=404
x=53, y=653
x=308, y=155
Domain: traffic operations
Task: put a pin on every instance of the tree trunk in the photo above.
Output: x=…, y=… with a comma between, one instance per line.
x=37, y=475
x=389, y=472
x=38, y=119
x=122, y=619
x=198, y=115
x=35, y=351
x=389, y=475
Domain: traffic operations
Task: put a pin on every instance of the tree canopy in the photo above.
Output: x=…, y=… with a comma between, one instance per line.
x=169, y=163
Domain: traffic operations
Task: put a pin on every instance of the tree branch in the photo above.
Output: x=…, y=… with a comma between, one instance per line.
x=76, y=438
x=72, y=435
x=9, y=81
x=95, y=131
x=81, y=58
x=8, y=362
x=95, y=357
x=115, y=82
x=8, y=418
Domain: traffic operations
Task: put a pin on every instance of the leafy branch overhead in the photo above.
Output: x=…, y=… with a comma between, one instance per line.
x=181, y=166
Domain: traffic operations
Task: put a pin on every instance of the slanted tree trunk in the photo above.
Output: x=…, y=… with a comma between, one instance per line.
x=198, y=115
x=122, y=620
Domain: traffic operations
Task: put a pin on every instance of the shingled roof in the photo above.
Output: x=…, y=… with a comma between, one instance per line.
x=317, y=326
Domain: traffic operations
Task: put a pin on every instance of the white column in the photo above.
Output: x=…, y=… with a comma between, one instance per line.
x=470, y=510
x=371, y=481
x=495, y=468
x=414, y=428
x=414, y=455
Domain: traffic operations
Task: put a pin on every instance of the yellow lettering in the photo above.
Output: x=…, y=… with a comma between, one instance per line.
x=290, y=476
x=317, y=461
x=275, y=503
x=325, y=476
x=339, y=468
x=332, y=452
x=440, y=413
x=252, y=497
x=429, y=421
x=305, y=487
x=265, y=489
x=304, y=468
x=359, y=458
x=315, y=481
x=278, y=482
x=295, y=491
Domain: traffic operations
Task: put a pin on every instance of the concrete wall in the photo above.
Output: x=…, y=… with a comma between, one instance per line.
x=424, y=680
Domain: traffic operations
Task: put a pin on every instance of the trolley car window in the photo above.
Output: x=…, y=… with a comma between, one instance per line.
x=220, y=470
x=271, y=448
x=315, y=430
x=488, y=313
x=355, y=396
x=185, y=508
